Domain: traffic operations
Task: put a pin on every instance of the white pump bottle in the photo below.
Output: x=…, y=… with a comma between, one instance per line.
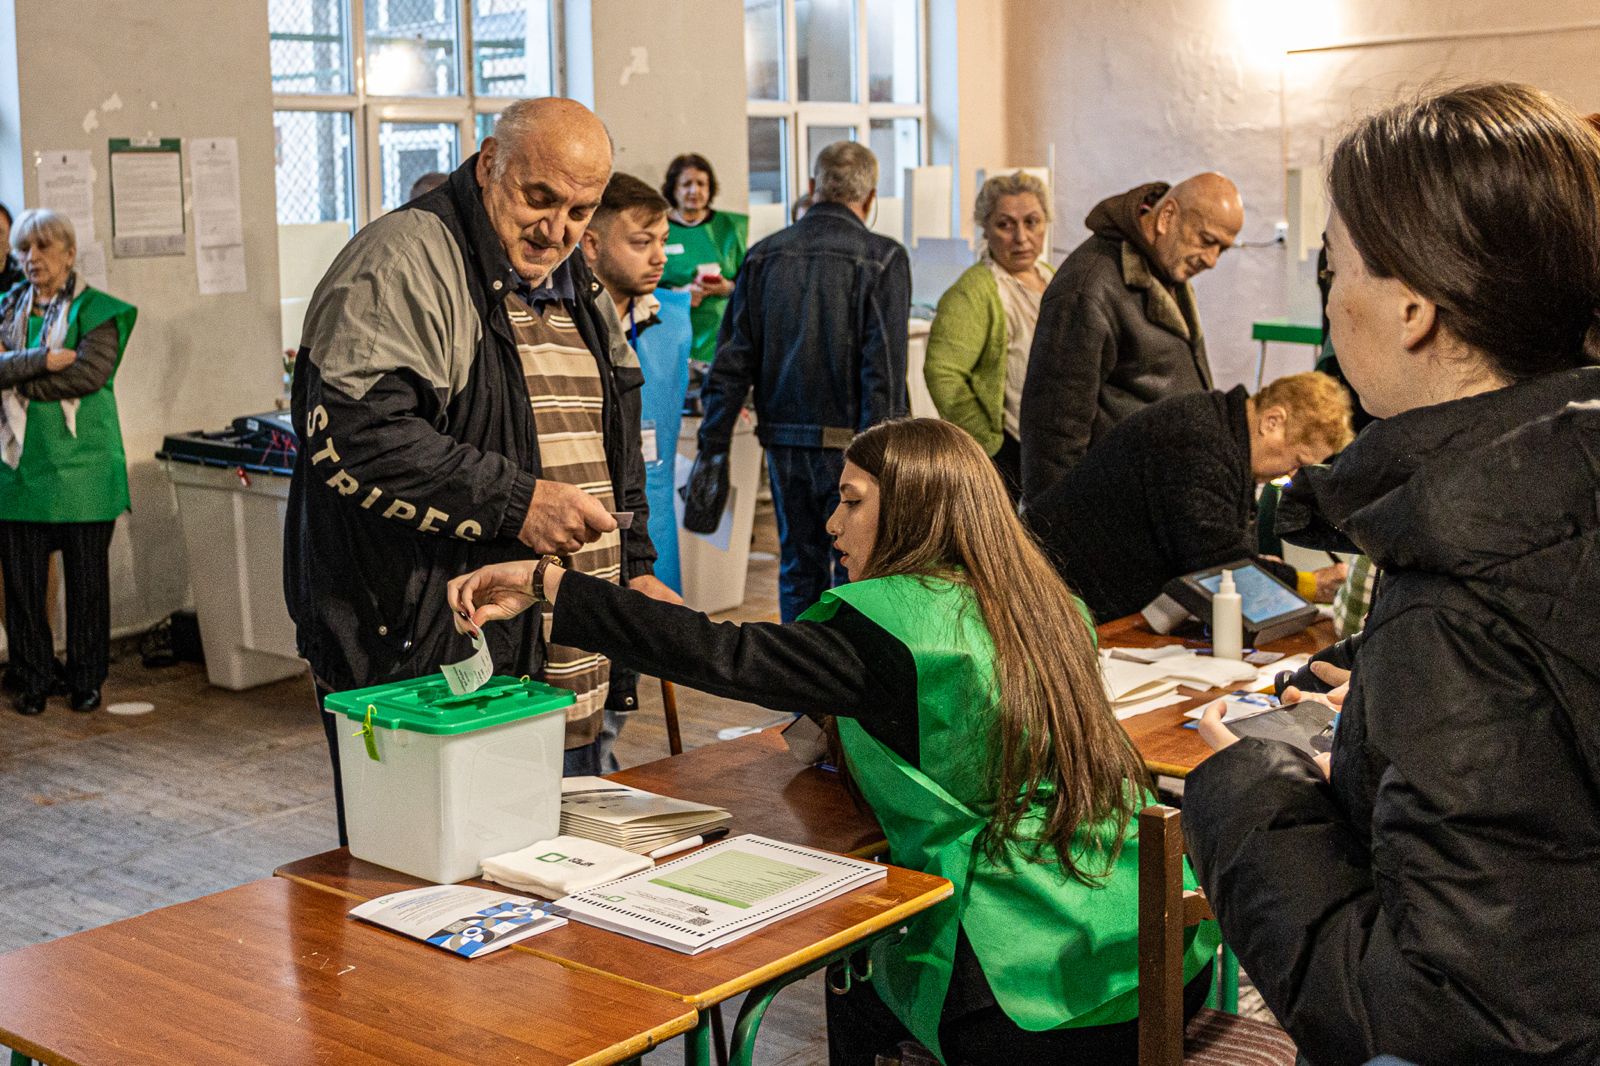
x=1227, y=620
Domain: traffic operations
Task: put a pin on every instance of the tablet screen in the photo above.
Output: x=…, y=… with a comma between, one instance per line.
x=1261, y=597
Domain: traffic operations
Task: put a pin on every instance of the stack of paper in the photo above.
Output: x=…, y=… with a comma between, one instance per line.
x=1184, y=666
x=630, y=818
x=1134, y=688
x=719, y=893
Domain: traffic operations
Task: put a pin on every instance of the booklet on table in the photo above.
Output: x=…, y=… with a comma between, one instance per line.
x=459, y=918
x=720, y=893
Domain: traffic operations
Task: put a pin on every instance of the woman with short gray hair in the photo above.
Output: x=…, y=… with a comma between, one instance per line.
x=978, y=347
x=63, y=474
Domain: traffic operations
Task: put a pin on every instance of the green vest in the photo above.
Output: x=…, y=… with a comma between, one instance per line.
x=1056, y=953
x=66, y=478
x=720, y=239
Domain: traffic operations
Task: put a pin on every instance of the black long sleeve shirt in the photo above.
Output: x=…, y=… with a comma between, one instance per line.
x=847, y=666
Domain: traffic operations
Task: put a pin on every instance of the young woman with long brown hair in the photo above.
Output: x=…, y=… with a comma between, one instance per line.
x=963, y=678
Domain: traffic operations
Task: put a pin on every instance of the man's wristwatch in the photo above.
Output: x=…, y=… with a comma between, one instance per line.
x=536, y=586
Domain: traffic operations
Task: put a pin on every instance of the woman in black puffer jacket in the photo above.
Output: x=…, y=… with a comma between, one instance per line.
x=1435, y=892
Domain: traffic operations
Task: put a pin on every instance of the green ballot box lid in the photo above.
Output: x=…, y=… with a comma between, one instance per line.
x=425, y=705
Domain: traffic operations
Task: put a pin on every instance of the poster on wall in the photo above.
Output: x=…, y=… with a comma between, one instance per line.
x=146, y=197
x=218, y=220
x=66, y=186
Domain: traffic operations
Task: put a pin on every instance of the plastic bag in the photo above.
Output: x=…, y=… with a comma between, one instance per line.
x=706, y=494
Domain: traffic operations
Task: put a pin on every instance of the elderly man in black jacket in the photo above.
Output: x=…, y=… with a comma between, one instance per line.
x=1118, y=327
x=1171, y=490
x=817, y=325
x=464, y=394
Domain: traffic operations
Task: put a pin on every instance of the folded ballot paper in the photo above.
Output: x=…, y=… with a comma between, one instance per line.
x=555, y=867
x=459, y=918
x=630, y=818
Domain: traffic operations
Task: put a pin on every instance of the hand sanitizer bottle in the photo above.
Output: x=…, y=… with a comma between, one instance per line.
x=1227, y=622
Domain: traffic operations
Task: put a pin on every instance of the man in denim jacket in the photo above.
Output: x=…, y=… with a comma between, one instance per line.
x=817, y=326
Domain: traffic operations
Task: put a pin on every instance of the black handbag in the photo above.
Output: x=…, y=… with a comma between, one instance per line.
x=706, y=494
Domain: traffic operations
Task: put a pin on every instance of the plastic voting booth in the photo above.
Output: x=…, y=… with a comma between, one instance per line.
x=233, y=494
x=663, y=351
x=434, y=783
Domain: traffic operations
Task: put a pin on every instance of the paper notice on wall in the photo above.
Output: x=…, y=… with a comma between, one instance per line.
x=66, y=185
x=92, y=264
x=469, y=675
x=214, y=172
x=218, y=222
x=220, y=269
x=146, y=197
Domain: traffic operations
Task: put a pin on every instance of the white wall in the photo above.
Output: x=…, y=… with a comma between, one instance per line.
x=669, y=78
x=1141, y=90
x=181, y=68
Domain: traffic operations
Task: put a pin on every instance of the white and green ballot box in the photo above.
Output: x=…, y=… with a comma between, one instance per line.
x=434, y=783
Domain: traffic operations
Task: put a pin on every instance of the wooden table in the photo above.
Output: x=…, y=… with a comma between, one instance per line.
x=1166, y=746
x=767, y=792
x=274, y=971
x=762, y=963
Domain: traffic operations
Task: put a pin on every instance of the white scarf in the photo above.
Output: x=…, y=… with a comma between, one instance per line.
x=14, y=334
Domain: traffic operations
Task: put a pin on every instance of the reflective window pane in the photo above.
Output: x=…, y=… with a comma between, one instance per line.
x=408, y=150
x=412, y=47
x=511, y=54
x=825, y=49
x=769, y=166
x=897, y=142
x=819, y=137
x=310, y=42
x=763, y=49
x=315, y=166
x=485, y=128
x=893, y=45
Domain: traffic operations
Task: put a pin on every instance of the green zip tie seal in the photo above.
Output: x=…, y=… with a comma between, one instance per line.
x=366, y=734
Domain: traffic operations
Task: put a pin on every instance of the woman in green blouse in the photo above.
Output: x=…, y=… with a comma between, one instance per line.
x=705, y=248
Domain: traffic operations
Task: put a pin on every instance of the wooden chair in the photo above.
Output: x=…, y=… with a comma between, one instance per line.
x=669, y=710
x=1211, y=1038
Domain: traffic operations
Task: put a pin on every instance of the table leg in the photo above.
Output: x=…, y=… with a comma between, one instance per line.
x=697, y=1042
x=19, y=1059
x=743, y=1050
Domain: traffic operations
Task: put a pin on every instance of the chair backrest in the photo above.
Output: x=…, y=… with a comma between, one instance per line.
x=1165, y=911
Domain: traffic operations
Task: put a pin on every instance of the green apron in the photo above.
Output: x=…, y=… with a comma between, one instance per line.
x=66, y=478
x=720, y=239
x=1056, y=953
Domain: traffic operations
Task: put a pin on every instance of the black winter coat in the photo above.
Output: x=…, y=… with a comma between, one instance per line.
x=1168, y=491
x=1111, y=339
x=1438, y=899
